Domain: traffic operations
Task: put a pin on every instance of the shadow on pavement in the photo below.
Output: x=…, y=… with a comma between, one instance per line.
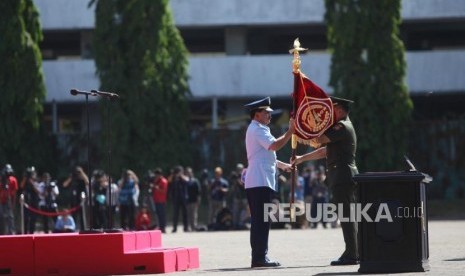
x=336, y=273
x=455, y=260
x=260, y=268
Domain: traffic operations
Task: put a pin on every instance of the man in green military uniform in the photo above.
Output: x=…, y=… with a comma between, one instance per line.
x=340, y=145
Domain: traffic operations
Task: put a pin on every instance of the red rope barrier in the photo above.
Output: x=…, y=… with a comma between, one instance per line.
x=52, y=214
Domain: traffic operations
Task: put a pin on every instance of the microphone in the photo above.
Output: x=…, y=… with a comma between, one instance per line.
x=75, y=92
x=106, y=94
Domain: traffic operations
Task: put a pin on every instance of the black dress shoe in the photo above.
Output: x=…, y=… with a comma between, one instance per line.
x=265, y=263
x=345, y=261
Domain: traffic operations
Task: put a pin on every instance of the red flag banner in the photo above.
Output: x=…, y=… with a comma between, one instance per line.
x=313, y=110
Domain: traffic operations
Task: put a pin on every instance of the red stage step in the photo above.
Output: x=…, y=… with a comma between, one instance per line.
x=94, y=254
x=17, y=255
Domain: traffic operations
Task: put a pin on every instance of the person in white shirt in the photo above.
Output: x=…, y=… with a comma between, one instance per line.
x=48, y=192
x=260, y=179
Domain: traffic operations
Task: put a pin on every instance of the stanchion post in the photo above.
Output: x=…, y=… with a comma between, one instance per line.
x=21, y=202
x=83, y=207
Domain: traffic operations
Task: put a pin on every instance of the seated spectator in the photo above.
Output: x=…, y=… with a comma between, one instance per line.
x=143, y=219
x=65, y=224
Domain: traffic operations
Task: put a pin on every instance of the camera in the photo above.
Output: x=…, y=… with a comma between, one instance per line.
x=7, y=170
x=31, y=172
x=204, y=174
x=150, y=177
x=50, y=196
x=234, y=175
x=51, y=185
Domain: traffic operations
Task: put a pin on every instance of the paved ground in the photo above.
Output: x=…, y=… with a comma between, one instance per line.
x=309, y=251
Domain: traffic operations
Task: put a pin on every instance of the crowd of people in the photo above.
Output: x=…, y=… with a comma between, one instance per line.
x=236, y=202
x=134, y=203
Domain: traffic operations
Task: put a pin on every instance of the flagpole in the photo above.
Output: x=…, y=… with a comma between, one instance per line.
x=296, y=70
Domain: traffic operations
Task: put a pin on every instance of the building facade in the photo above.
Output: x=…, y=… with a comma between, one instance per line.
x=239, y=50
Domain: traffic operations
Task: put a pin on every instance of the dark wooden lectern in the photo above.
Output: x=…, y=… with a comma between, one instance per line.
x=400, y=245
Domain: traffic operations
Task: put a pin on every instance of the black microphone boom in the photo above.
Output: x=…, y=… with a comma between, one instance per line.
x=106, y=94
x=75, y=92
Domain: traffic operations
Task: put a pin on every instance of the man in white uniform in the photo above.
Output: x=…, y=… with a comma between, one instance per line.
x=260, y=179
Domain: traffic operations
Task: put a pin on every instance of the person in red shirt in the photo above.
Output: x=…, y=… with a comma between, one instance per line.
x=143, y=219
x=8, y=190
x=159, y=194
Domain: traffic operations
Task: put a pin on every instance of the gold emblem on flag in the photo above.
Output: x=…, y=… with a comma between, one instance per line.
x=313, y=116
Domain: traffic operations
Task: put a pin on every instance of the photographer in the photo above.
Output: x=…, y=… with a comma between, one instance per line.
x=31, y=197
x=78, y=183
x=193, y=199
x=8, y=189
x=178, y=188
x=238, y=198
x=219, y=188
x=145, y=194
x=48, y=192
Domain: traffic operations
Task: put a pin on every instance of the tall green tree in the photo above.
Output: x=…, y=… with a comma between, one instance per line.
x=22, y=88
x=140, y=54
x=368, y=65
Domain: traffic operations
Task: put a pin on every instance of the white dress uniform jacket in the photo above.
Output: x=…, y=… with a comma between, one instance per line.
x=261, y=171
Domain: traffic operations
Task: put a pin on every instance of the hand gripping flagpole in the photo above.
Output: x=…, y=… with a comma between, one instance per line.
x=296, y=69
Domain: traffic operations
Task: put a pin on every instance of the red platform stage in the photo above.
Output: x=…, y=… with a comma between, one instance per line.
x=138, y=252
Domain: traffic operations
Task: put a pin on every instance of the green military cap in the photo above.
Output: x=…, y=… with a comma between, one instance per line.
x=341, y=101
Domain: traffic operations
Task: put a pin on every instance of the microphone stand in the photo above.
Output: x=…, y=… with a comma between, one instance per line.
x=109, y=97
x=91, y=222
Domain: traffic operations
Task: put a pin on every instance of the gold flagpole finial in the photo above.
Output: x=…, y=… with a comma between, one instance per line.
x=295, y=51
